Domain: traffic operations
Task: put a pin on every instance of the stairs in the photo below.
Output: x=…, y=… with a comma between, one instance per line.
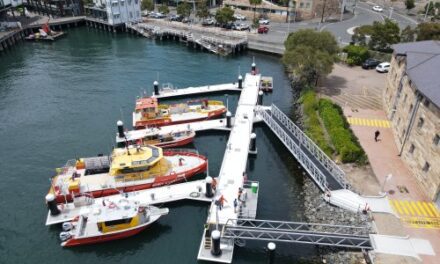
x=207, y=242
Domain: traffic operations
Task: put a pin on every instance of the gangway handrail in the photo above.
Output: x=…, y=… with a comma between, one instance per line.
x=304, y=140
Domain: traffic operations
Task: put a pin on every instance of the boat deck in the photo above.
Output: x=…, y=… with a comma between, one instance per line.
x=194, y=190
x=180, y=92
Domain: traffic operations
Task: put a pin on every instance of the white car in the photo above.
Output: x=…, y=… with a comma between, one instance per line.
x=377, y=8
x=264, y=21
x=383, y=67
x=239, y=17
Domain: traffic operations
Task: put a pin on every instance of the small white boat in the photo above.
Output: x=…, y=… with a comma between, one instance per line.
x=108, y=221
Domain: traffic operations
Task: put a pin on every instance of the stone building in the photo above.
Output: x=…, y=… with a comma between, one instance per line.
x=412, y=102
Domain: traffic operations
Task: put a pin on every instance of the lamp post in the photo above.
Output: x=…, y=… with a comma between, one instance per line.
x=382, y=189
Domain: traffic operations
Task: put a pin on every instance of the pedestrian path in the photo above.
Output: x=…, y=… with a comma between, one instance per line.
x=368, y=122
x=417, y=214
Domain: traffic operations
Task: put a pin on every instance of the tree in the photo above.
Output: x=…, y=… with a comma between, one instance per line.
x=164, y=9
x=202, y=9
x=184, y=9
x=224, y=15
x=409, y=4
x=147, y=4
x=326, y=8
x=428, y=31
x=310, y=55
x=384, y=35
x=361, y=33
x=356, y=54
x=255, y=3
x=407, y=35
x=432, y=7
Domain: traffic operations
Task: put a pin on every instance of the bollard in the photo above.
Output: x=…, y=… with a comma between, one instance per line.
x=209, y=192
x=253, y=145
x=271, y=252
x=260, y=98
x=52, y=204
x=120, y=125
x=228, y=119
x=156, y=88
x=215, y=237
x=240, y=81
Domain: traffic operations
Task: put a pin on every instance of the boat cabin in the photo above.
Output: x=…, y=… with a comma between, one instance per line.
x=147, y=107
x=134, y=159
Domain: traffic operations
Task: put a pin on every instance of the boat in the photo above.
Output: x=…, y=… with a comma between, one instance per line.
x=148, y=113
x=45, y=34
x=154, y=137
x=108, y=221
x=128, y=169
x=266, y=84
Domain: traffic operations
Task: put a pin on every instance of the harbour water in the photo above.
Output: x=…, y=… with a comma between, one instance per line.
x=61, y=101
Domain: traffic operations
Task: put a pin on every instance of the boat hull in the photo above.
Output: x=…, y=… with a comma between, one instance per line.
x=103, y=238
x=158, y=181
x=175, y=143
x=159, y=123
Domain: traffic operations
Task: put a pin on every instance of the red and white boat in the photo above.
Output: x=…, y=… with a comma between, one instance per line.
x=148, y=113
x=154, y=137
x=128, y=169
x=109, y=221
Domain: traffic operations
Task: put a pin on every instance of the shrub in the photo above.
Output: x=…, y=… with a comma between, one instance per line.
x=343, y=139
x=356, y=54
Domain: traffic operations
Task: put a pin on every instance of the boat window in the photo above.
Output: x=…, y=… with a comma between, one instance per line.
x=118, y=222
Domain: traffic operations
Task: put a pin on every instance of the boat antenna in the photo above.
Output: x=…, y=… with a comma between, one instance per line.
x=239, y=70
x=253, y=59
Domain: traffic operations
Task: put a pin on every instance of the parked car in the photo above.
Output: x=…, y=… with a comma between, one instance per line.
x=144, y=13
x=239, y=17
x=264, y=21
x=157, y=15
x=187, y=20
x=241, y=26
x=178, y=18
x=377, y=8
x=370, y=64
x=228, y=25
x=263, y=29
x=383, y=67
x=208, y=22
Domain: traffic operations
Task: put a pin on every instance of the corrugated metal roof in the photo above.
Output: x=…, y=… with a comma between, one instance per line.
x=423, y=66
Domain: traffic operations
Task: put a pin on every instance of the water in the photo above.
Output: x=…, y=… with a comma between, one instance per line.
x=62, y=100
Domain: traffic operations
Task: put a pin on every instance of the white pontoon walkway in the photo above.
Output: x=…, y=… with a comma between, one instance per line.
x=170, y=92
x=234, y=162
x=194, y=190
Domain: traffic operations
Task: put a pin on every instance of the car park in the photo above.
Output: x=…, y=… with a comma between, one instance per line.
x=377, y=8
x=264, y=21
x=262, y=30
x=370, y=64
x=383, y=67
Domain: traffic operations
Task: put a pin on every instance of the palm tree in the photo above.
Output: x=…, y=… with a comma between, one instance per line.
x=255, y=3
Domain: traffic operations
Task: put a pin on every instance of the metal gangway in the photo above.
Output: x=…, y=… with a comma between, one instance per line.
x=327, y=175
x=297, y=232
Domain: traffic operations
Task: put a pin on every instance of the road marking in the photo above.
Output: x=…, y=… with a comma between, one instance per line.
x=417, y=214
x=368, y=122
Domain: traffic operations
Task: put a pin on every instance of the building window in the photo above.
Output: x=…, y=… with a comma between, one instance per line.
x=307, y=5
x=301, y=5
x=410, y=83
x=426, y=102
x=131, y=15
x=420, y=123
x=129, y=2
x=436, y=140
x=426, y=167
x=136, y=2
x=411, y=149
x=115, y=4
x=410, y=108
x=116, y=16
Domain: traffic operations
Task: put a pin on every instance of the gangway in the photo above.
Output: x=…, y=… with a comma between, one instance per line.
x=297, y=232
x=326, y=174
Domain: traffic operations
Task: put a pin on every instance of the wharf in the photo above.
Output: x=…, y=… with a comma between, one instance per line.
x=194, y=190
x=176, y=92
x=231, y=176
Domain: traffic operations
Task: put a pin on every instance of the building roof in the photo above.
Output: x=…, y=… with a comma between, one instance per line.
x=245, y=3
x=422, y=66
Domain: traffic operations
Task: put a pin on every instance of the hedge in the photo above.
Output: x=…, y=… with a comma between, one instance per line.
x=345, y=142
x=312, y=126
x=356, y=55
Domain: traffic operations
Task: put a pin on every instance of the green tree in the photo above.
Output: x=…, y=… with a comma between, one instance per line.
x=224, y=15
x=184, y=9
x=407, y=35
x=164, y=9
x=310, y=55
x=255, y=3
x=428, y=31
x=356, y=54
x=202, y=9
x=361, y=33
x=384, y=35
x=409, y=4
x=147, y=4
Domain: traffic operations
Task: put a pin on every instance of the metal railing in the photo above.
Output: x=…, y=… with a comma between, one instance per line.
x=298, y=232
x=306, y=142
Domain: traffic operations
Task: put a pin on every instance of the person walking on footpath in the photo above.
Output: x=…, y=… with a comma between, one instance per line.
x=376, y=135
x=235, y=205
x=221, y=202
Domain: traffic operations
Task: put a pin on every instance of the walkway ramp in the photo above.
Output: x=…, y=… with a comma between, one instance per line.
x=181, y=92
x=402, y=246
x=297, y=232
x=194, y=190
x=351, y=201
x=326, y=174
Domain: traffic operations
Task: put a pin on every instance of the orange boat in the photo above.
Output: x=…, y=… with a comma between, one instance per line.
x=148, y=113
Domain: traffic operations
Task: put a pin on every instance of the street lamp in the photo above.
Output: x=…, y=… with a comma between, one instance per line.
x=382, y=189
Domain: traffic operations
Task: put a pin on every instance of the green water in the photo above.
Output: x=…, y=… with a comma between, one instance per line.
x=61, y=101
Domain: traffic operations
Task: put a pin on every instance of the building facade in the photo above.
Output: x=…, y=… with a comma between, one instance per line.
x=115, y=12
x=412, y=102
